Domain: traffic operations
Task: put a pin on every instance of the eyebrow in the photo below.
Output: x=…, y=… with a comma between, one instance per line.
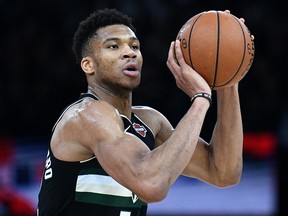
x=118, y=39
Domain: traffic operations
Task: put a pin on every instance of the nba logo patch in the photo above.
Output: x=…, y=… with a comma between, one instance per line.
x=140, y=129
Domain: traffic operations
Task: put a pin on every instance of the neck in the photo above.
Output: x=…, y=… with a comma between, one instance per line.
x=122, y=102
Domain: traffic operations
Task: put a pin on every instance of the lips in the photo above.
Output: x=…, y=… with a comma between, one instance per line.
x=131, y=70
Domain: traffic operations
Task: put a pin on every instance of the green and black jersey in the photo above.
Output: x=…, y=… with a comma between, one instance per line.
x=84, y=188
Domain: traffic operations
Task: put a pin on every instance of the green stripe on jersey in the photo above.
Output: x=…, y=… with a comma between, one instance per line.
x=99, y=171
x=108, y=200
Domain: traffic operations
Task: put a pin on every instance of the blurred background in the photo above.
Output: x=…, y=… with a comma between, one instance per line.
x=39, y=77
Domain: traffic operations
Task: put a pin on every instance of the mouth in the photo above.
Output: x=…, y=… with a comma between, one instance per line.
x=131, y=70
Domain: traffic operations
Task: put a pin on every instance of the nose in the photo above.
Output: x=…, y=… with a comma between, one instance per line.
x=128, y=52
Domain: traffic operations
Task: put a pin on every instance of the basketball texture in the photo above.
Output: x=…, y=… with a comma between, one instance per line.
x=218, y=46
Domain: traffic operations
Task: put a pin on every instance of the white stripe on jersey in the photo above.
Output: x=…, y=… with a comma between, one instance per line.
x=100, y=184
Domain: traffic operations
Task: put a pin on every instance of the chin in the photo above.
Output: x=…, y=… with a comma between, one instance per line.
x=133, y=85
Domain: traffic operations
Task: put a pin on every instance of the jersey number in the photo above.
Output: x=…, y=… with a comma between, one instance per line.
x=48, y=169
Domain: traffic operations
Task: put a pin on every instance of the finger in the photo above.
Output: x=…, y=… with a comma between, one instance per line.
x=171, y=62
x=242, y=20
x=178, y=53
x=227, y=11
x=171, y=54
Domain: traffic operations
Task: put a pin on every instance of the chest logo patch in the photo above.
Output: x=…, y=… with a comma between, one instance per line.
x=140, y=129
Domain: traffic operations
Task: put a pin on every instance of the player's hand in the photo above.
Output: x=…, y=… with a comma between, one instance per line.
x=242, y=20
x=187, y=79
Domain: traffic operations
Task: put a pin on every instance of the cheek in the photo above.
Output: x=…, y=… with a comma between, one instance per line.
x=104, y=65
x=141, y=63
x=140, y=60
x=105, y=70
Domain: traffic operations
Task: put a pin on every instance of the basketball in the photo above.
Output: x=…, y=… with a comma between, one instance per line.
x=218, y=46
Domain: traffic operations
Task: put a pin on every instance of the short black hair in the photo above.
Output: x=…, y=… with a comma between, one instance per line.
x=87, y=28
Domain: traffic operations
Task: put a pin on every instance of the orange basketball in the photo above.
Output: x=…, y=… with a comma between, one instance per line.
x=218, y=46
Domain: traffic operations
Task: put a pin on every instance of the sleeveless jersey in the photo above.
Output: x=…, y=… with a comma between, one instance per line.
x=84, y=188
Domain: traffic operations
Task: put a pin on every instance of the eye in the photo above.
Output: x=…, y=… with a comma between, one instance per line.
x=135, y=47
x=113, y=46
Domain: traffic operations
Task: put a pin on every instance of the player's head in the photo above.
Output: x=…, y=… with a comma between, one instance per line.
x=88, y=27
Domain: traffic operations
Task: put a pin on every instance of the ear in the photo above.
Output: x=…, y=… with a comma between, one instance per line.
x=87, y=65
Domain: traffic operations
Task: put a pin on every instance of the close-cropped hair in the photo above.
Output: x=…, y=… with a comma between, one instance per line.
x=88, y=27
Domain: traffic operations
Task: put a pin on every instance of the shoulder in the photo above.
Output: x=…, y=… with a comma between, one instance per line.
x=144, y=111
x=148, y=114
x=155, y=120
x=82, y=127
x=90, y=110
x=88, y=116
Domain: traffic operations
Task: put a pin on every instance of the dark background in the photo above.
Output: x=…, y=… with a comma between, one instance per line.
x=39, y=75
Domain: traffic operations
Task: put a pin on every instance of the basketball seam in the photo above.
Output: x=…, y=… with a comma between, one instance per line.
x=243, y=57
x=217, y=54
x=190, y=33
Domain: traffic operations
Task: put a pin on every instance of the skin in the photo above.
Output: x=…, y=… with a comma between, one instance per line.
x=95, y=128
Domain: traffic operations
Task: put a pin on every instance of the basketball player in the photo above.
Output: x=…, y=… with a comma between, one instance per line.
x=107, y=157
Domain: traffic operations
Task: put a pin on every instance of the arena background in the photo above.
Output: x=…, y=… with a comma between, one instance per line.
x=39, y=77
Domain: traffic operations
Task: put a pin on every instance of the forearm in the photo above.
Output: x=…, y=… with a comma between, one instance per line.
x=185, y=137
x=227, y=138
x=163, y=165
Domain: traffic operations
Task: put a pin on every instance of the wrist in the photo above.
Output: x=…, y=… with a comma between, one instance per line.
x=207, y=96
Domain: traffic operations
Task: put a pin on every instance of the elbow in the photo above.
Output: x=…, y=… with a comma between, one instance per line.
x=153, y=192
x=228, y=182
x=229, y=179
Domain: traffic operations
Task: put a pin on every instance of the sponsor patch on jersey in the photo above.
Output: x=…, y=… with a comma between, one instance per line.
x=140, y=129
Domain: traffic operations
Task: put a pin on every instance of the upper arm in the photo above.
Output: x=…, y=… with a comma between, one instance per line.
x=199, y=164
x=118, y=152
x=158, y=123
